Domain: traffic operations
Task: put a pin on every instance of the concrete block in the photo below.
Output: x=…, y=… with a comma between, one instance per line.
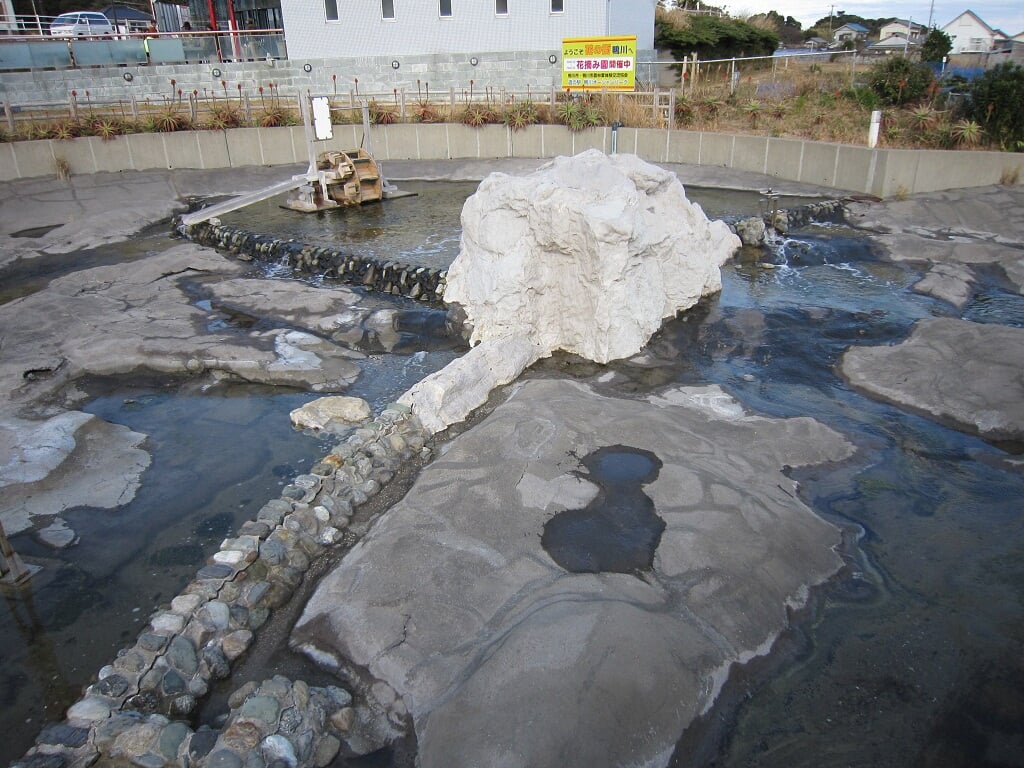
x=784, y=158
x=683, y=147
x=244, y=147
x=819, y=165
x=649, y=143
x=557, y=141
x=629, y=140
x=400, y=142
x=8, y=168
x=108, y=155
x=937, y=170
x=591, y=138
x=493, y=141
x=276, y=146
x=748, y=153
x=895, y=176
x=433, y=141
x=212, y=150
x=527, y=142
x=37, y=158
x=147, y=150
x=182, y=149
x=854, y=168
x=716, y=149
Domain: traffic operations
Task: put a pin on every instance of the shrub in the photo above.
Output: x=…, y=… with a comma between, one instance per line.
x=900, y=81
x=168, y=120
x=577, y=114
x=996, y=99
x=275, y=117
x=476, y=115
x=381, y=115
x=519, y=115
x=224, y=116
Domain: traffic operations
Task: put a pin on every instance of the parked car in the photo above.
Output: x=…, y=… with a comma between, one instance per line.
x=78, y=23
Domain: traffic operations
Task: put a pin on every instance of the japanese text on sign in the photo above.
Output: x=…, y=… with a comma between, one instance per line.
x=599, y=63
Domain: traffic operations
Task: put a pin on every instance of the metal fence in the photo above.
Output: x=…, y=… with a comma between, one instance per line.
x=34, y=51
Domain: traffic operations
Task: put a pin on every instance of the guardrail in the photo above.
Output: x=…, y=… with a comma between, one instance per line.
x=34, y=51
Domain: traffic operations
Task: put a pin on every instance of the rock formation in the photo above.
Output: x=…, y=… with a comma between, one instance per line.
x=589, y=254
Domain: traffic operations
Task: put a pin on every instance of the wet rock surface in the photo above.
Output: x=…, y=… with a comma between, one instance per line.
x=981, y=393
x=500, y=654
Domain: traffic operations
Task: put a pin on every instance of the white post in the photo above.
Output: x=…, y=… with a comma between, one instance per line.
x=876, y=121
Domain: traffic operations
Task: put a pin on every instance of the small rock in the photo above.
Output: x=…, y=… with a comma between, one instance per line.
x=277, y=747
x=265, y=708
x=112, y=685
x=326, y=750
x=89, y=709
x=181, y=654
x=63, y=735
x=57, y=535
x=236, y=643
x=185, y=605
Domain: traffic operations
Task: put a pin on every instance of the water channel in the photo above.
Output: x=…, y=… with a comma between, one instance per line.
x=913, y=657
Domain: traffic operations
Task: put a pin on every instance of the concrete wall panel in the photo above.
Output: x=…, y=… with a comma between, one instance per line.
x=591, y=138
x=276, y=146
x=36, y=158
x=147, y=150
x=244, y=147
x=748, y=153
x=527, y=142
x=557, y=141
x=400, y=142
x=784, y=158
x=182, y=149
x=854, y=170
x=651, y=144
x=819, y=164
x=212, y=147
x=683, y=147
x=898, y=174
x=716, y=149
x=109, y=155
x=8, y=168
x=492, y=141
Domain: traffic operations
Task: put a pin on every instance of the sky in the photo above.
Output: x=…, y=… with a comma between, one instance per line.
x=1007, y=15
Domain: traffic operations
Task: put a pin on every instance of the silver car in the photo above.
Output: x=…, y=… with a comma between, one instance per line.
x=78, y=23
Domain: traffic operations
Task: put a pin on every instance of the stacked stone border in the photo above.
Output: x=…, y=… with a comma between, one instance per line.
x=391, y=277
x=135, y=712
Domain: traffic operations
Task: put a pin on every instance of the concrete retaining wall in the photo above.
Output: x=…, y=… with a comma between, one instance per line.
x=881, y=172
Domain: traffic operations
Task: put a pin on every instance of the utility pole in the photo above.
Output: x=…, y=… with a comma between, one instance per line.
x=931, y=12
x=906, y=41
x=831, y=9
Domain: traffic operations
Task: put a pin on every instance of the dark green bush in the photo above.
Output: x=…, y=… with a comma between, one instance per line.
x=997, y=104
x=898, y=81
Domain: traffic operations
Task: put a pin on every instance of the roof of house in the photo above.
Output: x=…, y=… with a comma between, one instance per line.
x=974, y=16
x=895, y=41
x=907, y=22
x=854, y=26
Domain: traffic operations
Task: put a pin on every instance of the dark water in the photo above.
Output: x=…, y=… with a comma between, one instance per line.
x=915, y=657
x=619, y=531
x=422, y=230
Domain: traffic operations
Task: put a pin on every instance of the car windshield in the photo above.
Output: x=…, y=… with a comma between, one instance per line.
x=66, y=18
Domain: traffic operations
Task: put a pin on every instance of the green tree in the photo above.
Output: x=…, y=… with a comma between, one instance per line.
x=711, y=37
x=899, y=81
x=936, y=46
x=996, y=98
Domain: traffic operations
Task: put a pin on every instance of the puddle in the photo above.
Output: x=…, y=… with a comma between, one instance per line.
x=619, y=531
x=36, y=231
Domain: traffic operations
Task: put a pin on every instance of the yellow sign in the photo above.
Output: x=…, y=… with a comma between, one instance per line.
x=599, y=63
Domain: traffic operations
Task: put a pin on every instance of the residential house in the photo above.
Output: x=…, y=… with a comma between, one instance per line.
x=970, y=34
x=847, y=33
x=346, y=28
x=893, y=45
x=816, y=43
x=905, y=29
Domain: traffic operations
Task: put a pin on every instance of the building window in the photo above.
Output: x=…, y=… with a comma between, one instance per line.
x=445, y=8
x=331, y=9
x=557, y=6
x=387, y=9
x=501, y=7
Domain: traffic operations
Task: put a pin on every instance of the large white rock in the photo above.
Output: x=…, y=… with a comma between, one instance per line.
x=588, y=254
x=326, y=413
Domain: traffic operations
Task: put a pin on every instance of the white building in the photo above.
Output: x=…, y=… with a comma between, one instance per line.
x=348, y=28
x=971, y=35
x=905, y=29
